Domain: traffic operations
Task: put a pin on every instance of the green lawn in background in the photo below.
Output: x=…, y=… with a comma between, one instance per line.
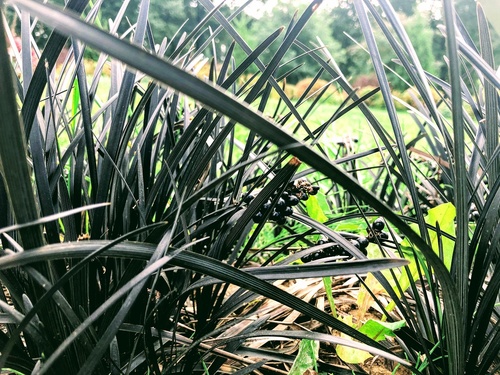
x=353, y=124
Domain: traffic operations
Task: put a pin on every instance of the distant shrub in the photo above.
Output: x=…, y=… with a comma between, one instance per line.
x=411, y=96
x=335, y=96
x=290, y=90
x=365, y=80
x=375, y=100
x=403, y=96
x=90, y=66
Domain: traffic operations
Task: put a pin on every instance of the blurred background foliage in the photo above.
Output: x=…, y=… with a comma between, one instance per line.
x=339, y=31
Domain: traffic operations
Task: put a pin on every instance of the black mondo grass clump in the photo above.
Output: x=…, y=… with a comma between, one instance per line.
x=127, y=245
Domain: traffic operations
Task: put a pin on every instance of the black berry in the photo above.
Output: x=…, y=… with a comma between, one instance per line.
x=314, y=190
x=280, y=204
x=258, y=217
x=281, y=220
x=293, y=200
x=266, y=206
x=248, y=198
x=378, y=224
x=275, y=215
x=288, y=211
x=363, y=242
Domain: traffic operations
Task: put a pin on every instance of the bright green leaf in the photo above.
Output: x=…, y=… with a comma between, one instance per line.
x=75, y=102
x=444, y=215
x=306, y=357
x=314, y=209
x=380, y=330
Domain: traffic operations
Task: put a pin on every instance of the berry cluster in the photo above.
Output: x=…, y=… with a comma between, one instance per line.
x=294, y=193
x=376, y=231
x=360, y=243
x=302, y=189
x=281, y=210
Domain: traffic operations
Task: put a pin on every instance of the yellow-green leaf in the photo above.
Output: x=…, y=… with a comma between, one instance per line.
x=444, y=216
x=347, y=354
